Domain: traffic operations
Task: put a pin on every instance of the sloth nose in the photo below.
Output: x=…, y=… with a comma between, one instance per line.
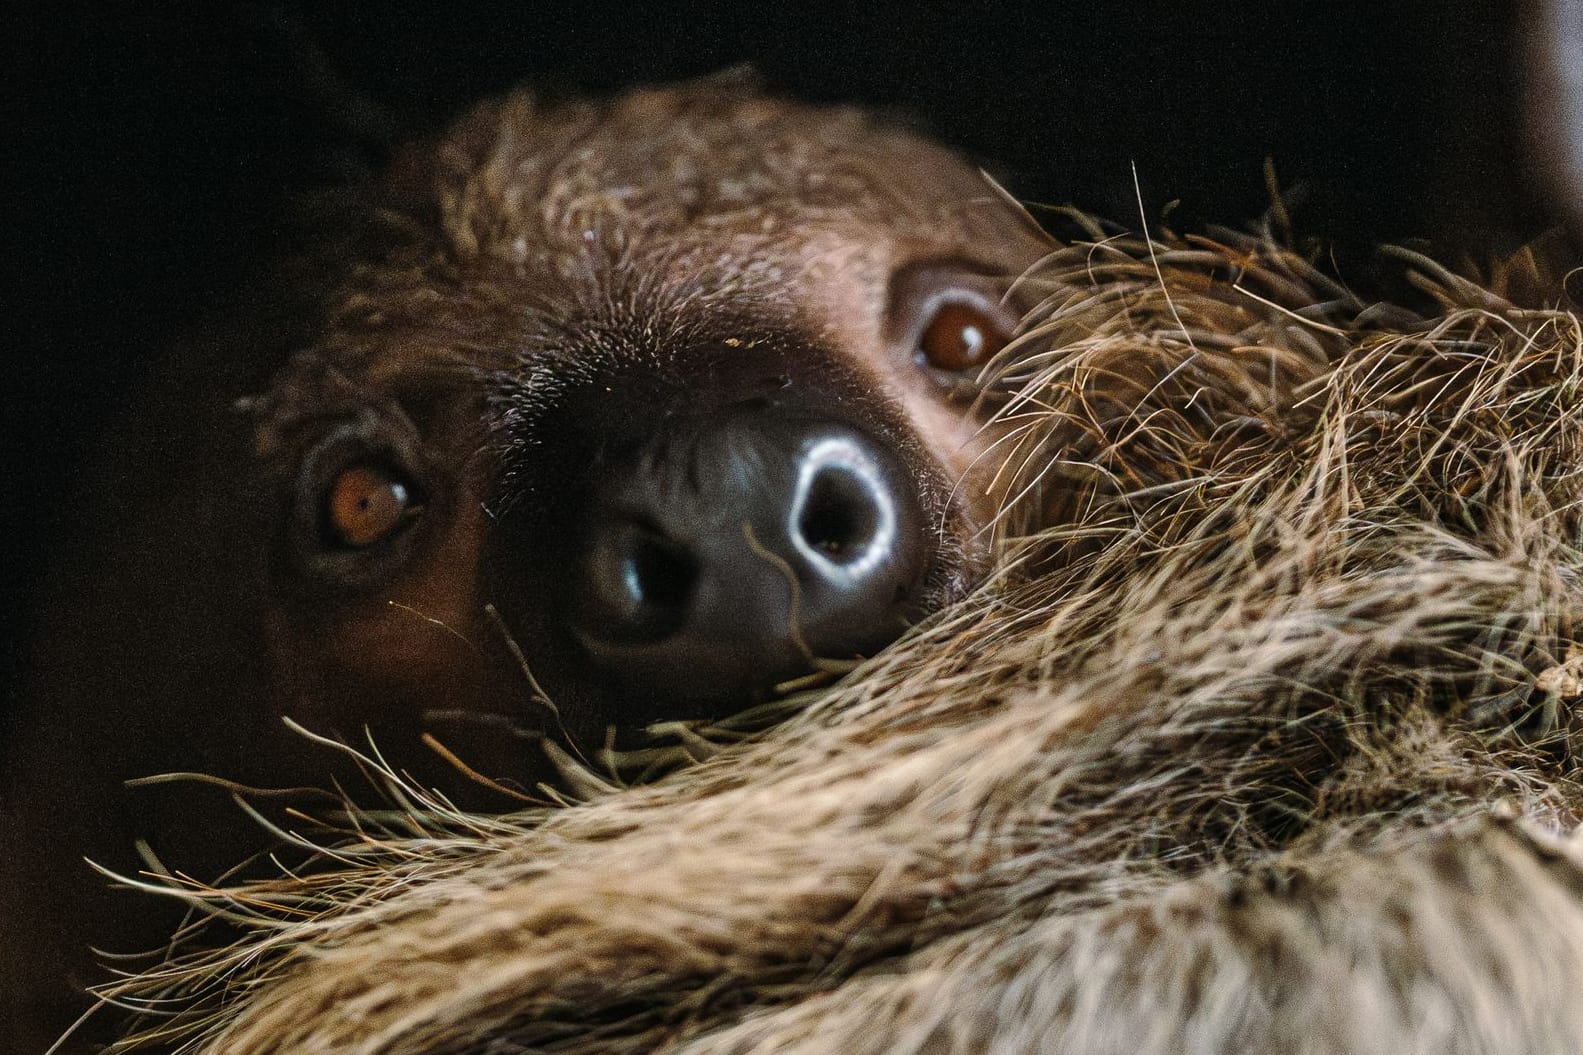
x=731, y=557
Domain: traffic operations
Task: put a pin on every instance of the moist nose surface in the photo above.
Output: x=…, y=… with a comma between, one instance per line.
x=730, y=556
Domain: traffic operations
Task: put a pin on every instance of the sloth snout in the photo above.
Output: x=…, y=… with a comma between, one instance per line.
x=732, y=555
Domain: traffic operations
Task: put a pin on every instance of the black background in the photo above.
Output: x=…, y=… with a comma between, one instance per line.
x=156, y=148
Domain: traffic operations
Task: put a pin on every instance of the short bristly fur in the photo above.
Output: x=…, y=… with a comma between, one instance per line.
x=1271, y=749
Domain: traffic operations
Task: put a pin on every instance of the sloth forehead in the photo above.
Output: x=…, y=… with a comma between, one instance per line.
x=689, y=172
x=661, y=211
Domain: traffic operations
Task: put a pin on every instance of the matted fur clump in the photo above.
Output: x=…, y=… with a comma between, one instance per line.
x=1275, y=756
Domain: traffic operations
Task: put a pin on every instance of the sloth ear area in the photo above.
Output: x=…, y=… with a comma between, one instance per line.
x=948, y=320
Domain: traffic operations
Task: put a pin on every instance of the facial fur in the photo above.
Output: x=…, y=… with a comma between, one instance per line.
x=548, y=288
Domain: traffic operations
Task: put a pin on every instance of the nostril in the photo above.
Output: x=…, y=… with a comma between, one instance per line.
x=640, y=583
x=839, y=516
x=658, y=574
x=844, y=515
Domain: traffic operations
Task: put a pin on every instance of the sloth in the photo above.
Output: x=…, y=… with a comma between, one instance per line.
x=587, y=419
x=586, y=416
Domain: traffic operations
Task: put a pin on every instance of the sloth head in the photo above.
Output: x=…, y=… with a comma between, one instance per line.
x=643, y=406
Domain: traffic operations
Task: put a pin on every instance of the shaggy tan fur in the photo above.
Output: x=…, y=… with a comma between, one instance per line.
x=1276, y=755
x=468, y=310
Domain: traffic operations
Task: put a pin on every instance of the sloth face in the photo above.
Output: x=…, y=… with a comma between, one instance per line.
x=635, y=411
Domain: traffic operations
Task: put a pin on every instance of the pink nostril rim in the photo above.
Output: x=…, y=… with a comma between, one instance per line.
x=844, y=513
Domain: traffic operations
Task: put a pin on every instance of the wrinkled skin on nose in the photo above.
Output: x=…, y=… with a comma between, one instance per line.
x=727, y=557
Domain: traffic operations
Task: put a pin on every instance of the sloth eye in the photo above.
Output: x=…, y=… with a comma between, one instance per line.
x=947, y=320
x=359, y=510
x=366, y=505
x=960, y=337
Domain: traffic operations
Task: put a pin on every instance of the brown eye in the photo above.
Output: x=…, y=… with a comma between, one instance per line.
x=366, y=505
x=960, y=337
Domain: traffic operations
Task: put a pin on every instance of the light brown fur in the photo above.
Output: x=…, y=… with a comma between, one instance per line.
x=1273, y=773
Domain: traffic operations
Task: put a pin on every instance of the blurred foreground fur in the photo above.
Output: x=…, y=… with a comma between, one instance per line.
x=1274, y=755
